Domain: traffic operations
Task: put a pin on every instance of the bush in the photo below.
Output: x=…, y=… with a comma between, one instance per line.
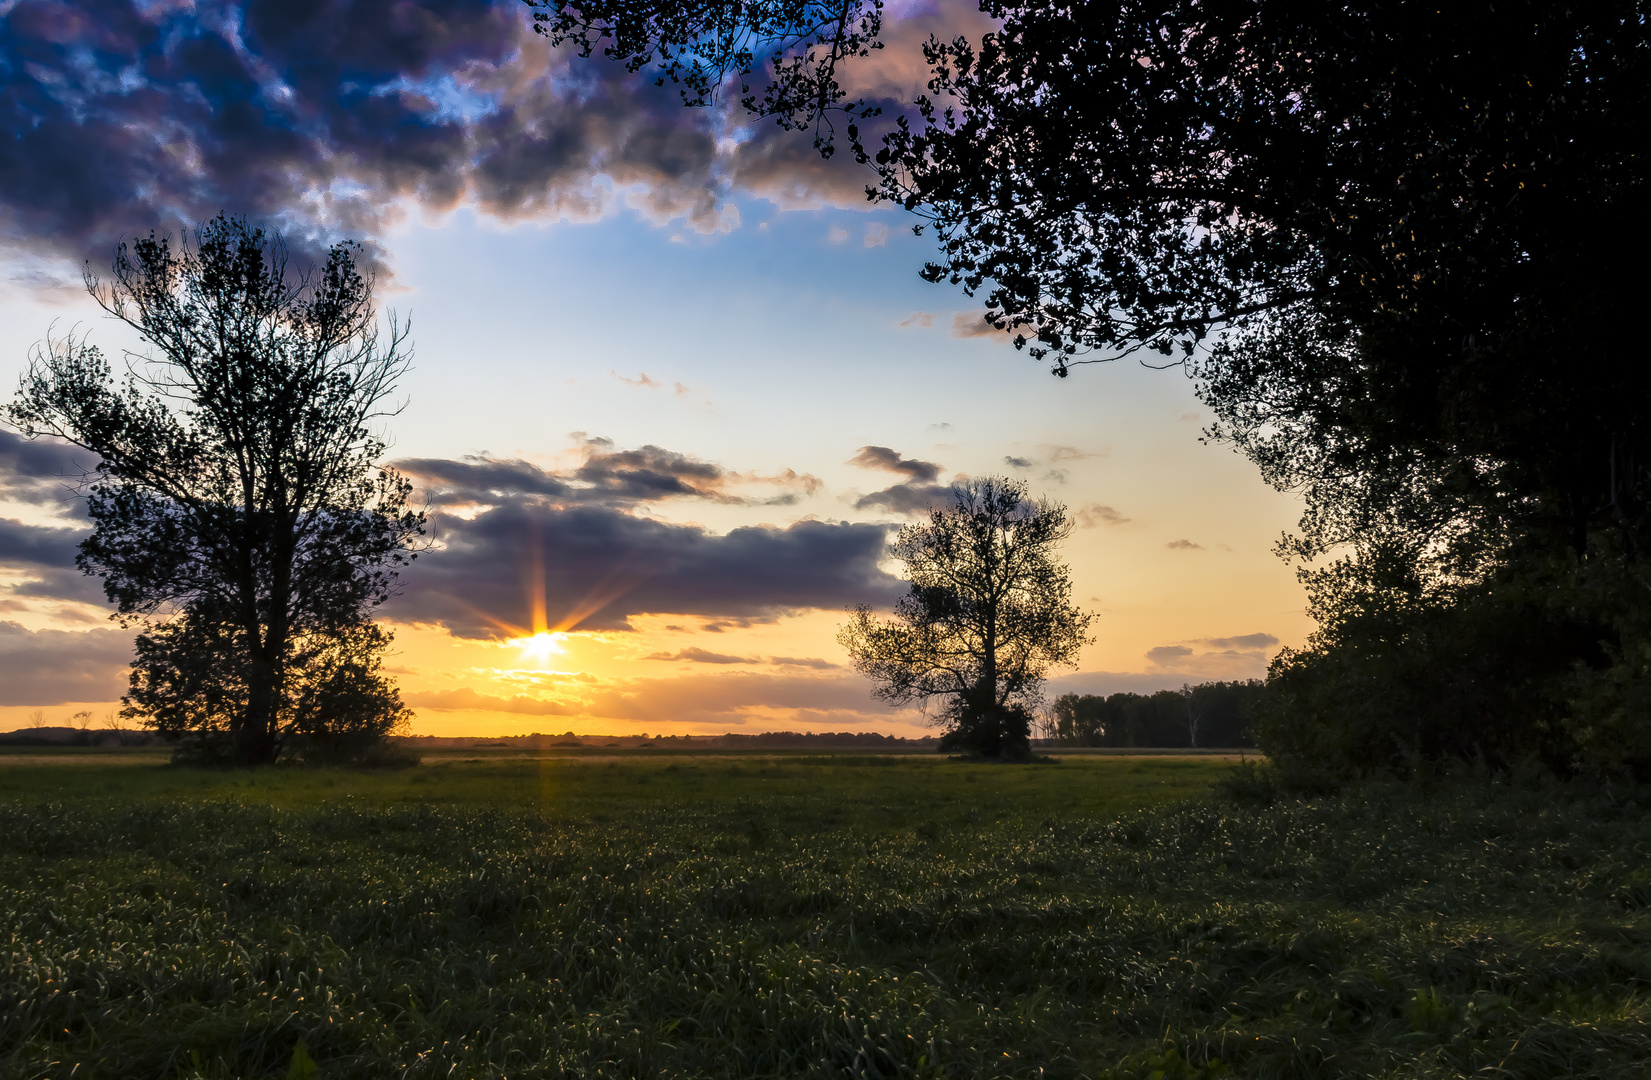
x=1546, y=664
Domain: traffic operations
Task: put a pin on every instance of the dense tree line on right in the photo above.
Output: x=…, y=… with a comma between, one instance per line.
x=1392, y=244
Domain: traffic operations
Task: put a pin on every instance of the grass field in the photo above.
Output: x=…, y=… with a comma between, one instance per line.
x=809, y=915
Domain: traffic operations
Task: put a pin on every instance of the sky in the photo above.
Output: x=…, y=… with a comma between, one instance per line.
x=676, y=382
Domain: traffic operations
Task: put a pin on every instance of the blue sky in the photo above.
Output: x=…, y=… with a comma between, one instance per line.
x=727, y=306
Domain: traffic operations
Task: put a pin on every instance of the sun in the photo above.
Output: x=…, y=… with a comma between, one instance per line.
x=541, y=646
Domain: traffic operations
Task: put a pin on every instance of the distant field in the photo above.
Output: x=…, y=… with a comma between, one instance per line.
x=768, y=914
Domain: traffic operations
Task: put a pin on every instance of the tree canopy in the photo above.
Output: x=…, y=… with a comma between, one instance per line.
x=239, y=516
x=988, y=614
x=1386, y=238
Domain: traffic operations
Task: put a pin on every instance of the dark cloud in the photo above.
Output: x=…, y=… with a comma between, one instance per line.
x=606, y=476
x=881, y=457
x=1018, y=462
x=596, y=566
x=906, y=498
x=326, y=117
x=801, y=661
x=1184, y=545
x=52, y=667
x=43, y=473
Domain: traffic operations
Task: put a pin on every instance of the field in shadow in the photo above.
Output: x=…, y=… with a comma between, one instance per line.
x=766, y=916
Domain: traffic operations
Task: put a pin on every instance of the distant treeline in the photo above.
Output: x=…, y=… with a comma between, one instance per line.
x=1208, y=715
x=68, y=736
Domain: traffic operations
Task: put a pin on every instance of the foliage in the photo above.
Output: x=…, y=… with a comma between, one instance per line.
x=987, y=615
x=741, y=916
x=1543, y=662
x=1385, y=238
x=801, y=45
x=238, y=514
x=1210, y=714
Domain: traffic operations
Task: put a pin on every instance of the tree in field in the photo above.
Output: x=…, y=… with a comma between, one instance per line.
x=238, y=515
x=987, y=615
x=1385, y=239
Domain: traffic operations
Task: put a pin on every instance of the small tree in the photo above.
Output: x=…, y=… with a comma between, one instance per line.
x=238, y=514
x=988, y=614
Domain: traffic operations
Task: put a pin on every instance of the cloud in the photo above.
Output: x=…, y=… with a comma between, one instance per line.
x=642, y=380
x=336, y=117
x=41, y=474
x=881, y=457
x=1165, y=655
x=1184, y=545
x=1243, y=656
x=802, y=661
x=1019, y=462
x=729, y=697
x=906, y=498
x=52, y=667
x=876, y=235
x=919, y=319
x=1094, y=515
x=594, y=566
x=973, y=324
x=605, y=476
x=1058, y=453
x=836, y=234
x=465, y=698
x=701, y=656
x=43, y=471
x=1242, y=642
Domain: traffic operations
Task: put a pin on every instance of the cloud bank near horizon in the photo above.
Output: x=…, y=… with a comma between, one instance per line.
x=513, y=536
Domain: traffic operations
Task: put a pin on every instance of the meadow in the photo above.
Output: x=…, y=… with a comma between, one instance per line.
x=757, y=915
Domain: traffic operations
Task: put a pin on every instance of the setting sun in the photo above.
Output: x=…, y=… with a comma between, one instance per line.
x=540, y=647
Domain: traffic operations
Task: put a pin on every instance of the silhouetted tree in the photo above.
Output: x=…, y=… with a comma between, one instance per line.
x=987, y=615
x=1386, y=236
x=238, y=513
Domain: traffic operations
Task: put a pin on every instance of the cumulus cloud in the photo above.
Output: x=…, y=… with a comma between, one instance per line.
x=881, y=457
x=906, y=498
x=334, y=117
x=1168, y=654
x=1094, y=514
x=605, y=475
x=43, y=472
x=917, y=495
x=40, y=475
x=1241, y=656
x=1018, y=462
x=511, y=536
x=53, y=667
